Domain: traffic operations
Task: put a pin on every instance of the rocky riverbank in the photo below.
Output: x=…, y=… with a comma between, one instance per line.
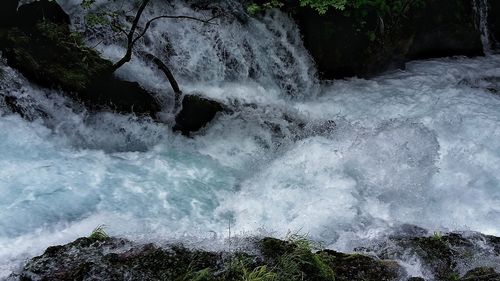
x=450, y=256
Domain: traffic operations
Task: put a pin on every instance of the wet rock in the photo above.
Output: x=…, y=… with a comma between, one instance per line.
x=115, y=259
x=119, y=259
x=445, y=28
x=359, y=267
x=362, y=42
x=8, y=12
x=44, y=50
x=481, y=274
x=29, y=15
x=196, y=113
x=494, y=22
x=443, y=255
x=121, y=96
x=290, y=260
x=25, y=108
x=416, y=279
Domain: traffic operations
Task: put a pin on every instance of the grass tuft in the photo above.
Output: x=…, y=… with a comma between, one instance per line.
x=99, y=234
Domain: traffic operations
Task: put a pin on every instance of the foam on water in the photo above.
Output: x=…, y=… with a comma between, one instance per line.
x=418, y=146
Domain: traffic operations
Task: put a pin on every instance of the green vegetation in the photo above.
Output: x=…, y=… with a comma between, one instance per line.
x=383, y=7
x=53, y=56
x=99, y=234
x=259, y=273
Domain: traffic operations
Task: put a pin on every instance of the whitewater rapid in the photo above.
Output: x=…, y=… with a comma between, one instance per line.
x=419, y=146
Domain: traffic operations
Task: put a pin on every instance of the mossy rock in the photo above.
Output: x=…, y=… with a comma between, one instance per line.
x=50, y=57
x=284, y=260
x=360, y=267
x=43, y=49
x=365, y=41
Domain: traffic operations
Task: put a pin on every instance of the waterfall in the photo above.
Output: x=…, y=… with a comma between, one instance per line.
x=414, y=146
x=481, y=9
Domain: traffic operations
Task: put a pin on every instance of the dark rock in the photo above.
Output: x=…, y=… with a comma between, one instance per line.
x=8, y=10
x=273, y=248
x=362, y=42
x=120, y=96
x=116, y=259
x=342, y=47
x=293, y=259
x=416, y=279
x=494, y=22
x=481, y=274
x=50, y=58
x=349, y=267
x=119, y=259
x=47, y=53
x=441, y=254
x=196, y=113
x=446, y=28
x=29, y=15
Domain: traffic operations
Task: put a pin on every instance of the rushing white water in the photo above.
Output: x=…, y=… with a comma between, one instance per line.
x=418, y=146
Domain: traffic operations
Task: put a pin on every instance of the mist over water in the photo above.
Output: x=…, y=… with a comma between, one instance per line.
x=418, y=146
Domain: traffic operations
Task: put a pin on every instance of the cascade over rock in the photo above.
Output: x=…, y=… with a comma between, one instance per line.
x=364, y=43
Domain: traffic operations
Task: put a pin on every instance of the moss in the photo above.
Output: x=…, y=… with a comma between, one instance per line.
x=86, y=258
x=272, y=248
x=359, y=267
x=50, y=56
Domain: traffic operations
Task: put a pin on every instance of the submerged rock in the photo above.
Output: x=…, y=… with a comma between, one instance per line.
x=196, y=113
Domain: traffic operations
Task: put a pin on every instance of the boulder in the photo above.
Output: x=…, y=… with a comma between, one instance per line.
x=343, y=47
x=196, y=113
x=8, y=12
x=30, y=15
x=44, y=50
x=362, y=42
x=120, y=259
x=445, y=28
x=494, y=22
x=120, y=96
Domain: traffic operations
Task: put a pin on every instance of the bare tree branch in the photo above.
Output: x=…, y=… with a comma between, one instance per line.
x=170, y=76
x=130, y=36
x=131, y=39
x=148, y=24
